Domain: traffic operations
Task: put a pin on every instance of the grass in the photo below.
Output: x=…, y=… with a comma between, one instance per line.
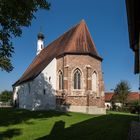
x=52, y=125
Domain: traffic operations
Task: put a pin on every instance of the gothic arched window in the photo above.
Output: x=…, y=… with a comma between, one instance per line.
x=60, y=80
x=94, y=82
x=77, y=79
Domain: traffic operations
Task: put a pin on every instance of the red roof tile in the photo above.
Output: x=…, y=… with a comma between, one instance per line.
x=75, y=41
x=108, y=96
x=133, y=96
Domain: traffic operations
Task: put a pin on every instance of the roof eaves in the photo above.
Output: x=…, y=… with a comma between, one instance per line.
x=80, y=53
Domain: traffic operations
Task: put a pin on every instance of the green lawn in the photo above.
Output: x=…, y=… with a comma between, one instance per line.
x=51, y=125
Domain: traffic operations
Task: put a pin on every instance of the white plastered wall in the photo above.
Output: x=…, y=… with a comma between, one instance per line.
x=39, y=93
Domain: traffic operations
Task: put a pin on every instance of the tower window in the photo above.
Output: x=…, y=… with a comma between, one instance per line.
x=41, y=46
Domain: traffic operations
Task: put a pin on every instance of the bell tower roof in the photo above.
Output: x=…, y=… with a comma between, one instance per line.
x=40, y=36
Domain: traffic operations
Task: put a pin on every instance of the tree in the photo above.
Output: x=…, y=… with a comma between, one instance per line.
x=122, y=90
x=6, y=96
x=15, y=14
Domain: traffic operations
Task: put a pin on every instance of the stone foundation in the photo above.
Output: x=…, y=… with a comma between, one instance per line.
x=81, y=101
x=83, y=104
x=82, y=109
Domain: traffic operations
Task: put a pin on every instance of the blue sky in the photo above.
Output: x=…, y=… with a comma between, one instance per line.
x=107, y=23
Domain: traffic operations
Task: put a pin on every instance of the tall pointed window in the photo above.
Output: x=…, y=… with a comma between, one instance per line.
x=94, y=82
x=60, y=80
x=77, y=79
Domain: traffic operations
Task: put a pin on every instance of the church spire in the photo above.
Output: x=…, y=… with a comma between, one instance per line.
x=40, y=43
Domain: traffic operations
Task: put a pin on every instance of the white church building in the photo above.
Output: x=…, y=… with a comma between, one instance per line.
x=65, y=75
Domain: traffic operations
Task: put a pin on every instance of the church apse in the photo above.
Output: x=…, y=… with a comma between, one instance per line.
x=83, y=84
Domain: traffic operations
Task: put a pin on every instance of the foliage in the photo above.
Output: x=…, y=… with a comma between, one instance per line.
x=15, y=14
x=17, y=124
x=6, y=96
x=134, y=103
x=122, y=90
x=133, y=106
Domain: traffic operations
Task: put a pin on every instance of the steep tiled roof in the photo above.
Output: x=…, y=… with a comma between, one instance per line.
x=75, y=41
x=108, y=96
x=133, y=96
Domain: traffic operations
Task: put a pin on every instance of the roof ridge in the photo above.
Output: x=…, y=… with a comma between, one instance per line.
x=59, y=36
x=85, y=39
x=75, y=33
x=91, y=40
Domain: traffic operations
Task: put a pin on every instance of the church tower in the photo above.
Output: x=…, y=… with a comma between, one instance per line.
x=40, y=43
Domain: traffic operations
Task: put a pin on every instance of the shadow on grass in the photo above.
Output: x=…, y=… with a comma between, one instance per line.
x=10, y=116
x=106, y=127
x=58, y=127
x=10, y=133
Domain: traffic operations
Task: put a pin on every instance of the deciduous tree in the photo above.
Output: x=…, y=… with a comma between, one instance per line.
x=15, y=14
x=6, y=96
x=122, y=90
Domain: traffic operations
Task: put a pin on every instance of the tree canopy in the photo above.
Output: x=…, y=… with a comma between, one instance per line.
x=15, y=14
x=122, y=90
x=6, y=96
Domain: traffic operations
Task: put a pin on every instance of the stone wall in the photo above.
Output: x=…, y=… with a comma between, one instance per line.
x=76, y=100
x=81, y=101
x=84, y=96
